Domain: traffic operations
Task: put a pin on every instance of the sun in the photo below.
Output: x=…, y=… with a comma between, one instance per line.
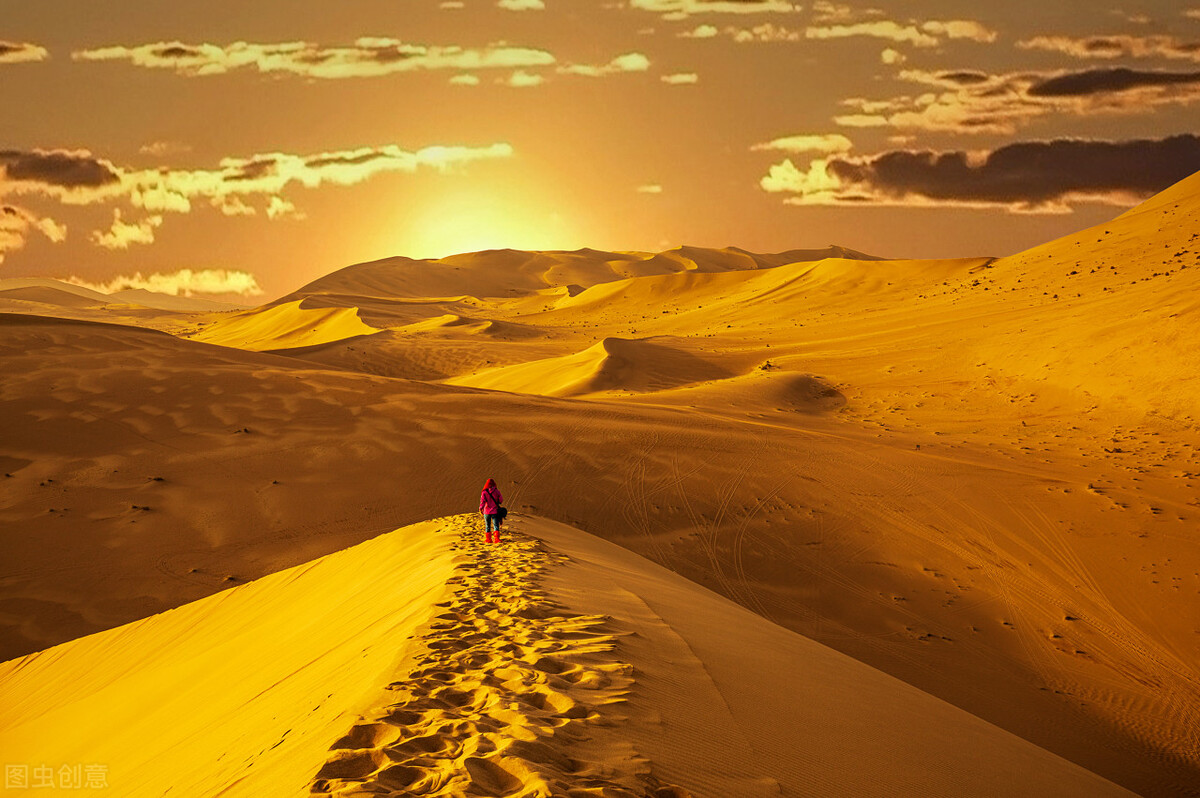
x=471, y=221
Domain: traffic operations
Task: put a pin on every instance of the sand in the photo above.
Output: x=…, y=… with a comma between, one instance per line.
x=976, y=476
x=427, y=662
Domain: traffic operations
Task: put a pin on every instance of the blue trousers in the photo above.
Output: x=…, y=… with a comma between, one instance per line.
x=493, y=522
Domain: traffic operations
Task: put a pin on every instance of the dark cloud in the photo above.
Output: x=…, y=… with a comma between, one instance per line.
x=1025, y=174
x=344, y=159
x=964, y=78
x=178, y=51
x=1102, y=81
x=58, y=168
x=17, y=52
x=974, y=102
x=254, y=169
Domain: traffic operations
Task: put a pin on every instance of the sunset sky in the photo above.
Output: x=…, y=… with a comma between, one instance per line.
x=249, y=148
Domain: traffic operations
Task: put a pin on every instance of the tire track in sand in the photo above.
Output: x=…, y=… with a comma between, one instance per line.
x=505, y=693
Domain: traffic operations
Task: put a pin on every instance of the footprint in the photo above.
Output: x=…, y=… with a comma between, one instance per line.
x=489, y=776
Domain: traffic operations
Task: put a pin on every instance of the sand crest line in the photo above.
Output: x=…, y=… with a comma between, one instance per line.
x=500, y=695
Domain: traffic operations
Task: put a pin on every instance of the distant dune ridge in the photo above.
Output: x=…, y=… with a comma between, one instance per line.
x=946, y=511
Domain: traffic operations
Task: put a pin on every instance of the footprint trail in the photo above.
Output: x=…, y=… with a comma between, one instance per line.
x=505, y=694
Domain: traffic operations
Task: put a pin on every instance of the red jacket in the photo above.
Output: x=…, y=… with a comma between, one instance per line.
x=490, y=500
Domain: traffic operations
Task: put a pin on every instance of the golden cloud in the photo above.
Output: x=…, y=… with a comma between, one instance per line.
x=185, y=282
x=681, y=79
x=16, y=223
x=972, y=102
x=77, y=177
x=826, y=143
x=918, y=34
x=122, y=234
x=628, y=62
x=21, y=52
x=681, y=8
x=367, y=57
x=1118, y=46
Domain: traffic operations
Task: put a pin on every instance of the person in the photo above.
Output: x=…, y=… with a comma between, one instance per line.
x=489, y=504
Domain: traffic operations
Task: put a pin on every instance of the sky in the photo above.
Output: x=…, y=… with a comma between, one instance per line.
x=240, y=150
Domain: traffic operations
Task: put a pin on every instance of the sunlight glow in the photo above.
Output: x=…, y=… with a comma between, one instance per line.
x=470, y=222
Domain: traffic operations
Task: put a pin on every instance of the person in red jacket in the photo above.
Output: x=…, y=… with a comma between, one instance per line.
x=489, y=504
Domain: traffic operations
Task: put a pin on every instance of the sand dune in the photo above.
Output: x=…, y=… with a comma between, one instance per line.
x=46, y=296
x=284, y=327
x=506, y=273
x=423, y=662
x=51, y=290
x=989, y=491
x=183, y=304
x=614, y=364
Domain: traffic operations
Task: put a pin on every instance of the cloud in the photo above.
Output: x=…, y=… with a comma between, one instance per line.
x=76, y=177
x=160, y=149
x=367, y=57
x=122, y=234
x=234, y=206
x=765, y=32
x=67, y=175
x=16, y=223
x=652, y=188
x=465, y=79
x=1027, y=177
x=21, y=52
x=1118, y=46
x=185, y=282
x=828, y=143
x=279, y=208
x=522, y=79
x=926, y=34
x=681, y=79
x=1192, y=13
x=700, y=32
x=1134, y=19
x=973, y=102
x=824, y=11
x=682, y=8
x=892, y=57
x=628, y=62
x=1101, y=81
x=961, y=29
x=522, y=5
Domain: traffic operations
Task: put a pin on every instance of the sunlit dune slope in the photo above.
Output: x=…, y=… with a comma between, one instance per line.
x=402, y=666
x=284, y=327
x=244, y=690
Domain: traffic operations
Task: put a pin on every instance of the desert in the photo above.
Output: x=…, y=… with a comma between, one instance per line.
x=911, y=520
x=637, y=399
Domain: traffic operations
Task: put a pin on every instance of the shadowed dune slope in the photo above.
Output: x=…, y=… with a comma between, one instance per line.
x=539, y=667
x=614, y=364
